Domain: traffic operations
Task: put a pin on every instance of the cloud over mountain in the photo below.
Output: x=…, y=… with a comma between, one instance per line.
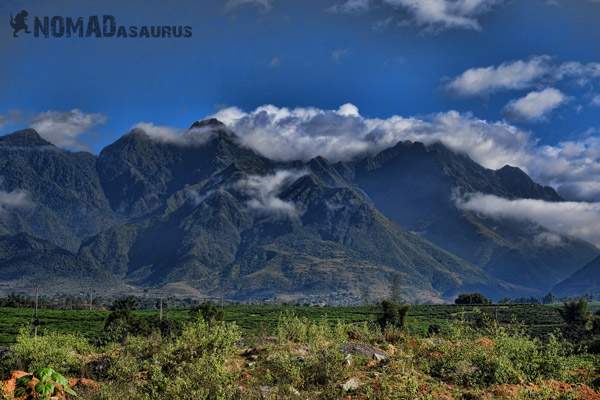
x=14, y=199
x=280, y=133
x=64, y=128
x=264, y=191
x=577, y=219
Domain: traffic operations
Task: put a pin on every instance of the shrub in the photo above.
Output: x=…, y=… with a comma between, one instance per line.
x=308, y=356
x=499, y=358
x=472, y=298
x=392, y=315
x=190, y=366
x=62, y=352
x=578, y=319
x=208, y=311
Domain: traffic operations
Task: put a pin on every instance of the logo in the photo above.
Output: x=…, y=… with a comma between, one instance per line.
x=19, y=23
x=93, y=26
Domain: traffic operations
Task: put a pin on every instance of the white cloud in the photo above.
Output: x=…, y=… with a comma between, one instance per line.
x=262, y=4
x=13, y=200
x=429, y=14
x=445, y=14
x=573, y=167
x=64, y=128
x=576, y=219
x=264, y=192
x=536, y=105
x=510, y=75
x=342, y=134
x=521, y=74
x=595, y=101
x=169, y=134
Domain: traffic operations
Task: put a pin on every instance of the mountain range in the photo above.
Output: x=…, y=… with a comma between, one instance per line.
x=204, y=216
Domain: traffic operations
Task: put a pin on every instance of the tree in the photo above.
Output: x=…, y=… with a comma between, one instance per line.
x=207, y=311
x=392, y=315
x=472, y=298
x=127, y=303
x=578, y=319
x=549, y=298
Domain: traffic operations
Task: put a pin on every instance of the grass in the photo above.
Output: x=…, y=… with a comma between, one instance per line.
x=260, y=319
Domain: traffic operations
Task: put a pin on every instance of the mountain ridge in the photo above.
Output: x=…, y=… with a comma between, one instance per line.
x=206, y=213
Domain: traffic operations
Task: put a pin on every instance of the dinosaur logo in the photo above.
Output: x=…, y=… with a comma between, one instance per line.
x=19, y=23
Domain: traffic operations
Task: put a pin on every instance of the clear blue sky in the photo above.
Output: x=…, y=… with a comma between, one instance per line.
x=289, y=53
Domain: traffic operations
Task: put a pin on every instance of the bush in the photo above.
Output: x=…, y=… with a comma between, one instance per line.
x=208, y=311
x=392, y=315
x=499, y=358
x=191, y=366
x=62, y=352
x=308, y=354
x=472, y=298
x=578, y=319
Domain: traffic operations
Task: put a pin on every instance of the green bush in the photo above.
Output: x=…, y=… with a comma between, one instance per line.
x=392, y=315
x=63, y=352
x=500, y=358
x=191, y=366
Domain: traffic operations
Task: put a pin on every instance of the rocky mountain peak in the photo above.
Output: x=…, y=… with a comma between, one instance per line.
x=209, y=122
x=24, y=138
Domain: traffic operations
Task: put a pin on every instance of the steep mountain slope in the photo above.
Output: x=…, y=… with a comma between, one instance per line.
x=138, y=172
x=27, y=262
x=584, y=281
x=307, y=239
x=417, y=186
x=59, y=191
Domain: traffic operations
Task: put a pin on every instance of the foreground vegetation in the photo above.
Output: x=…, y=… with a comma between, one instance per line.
x=202, y=355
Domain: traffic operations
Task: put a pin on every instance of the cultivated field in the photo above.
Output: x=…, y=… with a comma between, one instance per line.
x=538, y=320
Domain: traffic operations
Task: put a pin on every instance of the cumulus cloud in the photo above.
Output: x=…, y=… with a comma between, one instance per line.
x=168, y=134
x=445, y=14
x=340, y=135
x=595, y=101
x=264, y=192
x=520, y=74
x=576, y=219
x=13, y=200
x=573, y=167
x=265, y=5
x=429, y=14
x=535, y=105
x=64, y=128
x=509, y=75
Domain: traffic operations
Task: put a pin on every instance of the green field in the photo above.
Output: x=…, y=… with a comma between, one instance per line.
x=538, y=319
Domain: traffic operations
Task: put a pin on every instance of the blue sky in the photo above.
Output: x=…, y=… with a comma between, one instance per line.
x=386, y=57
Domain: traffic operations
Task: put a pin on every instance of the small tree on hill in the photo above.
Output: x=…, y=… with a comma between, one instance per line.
x=549, y=298
x=472, y=298
x=392, y=315
x=578, y=319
